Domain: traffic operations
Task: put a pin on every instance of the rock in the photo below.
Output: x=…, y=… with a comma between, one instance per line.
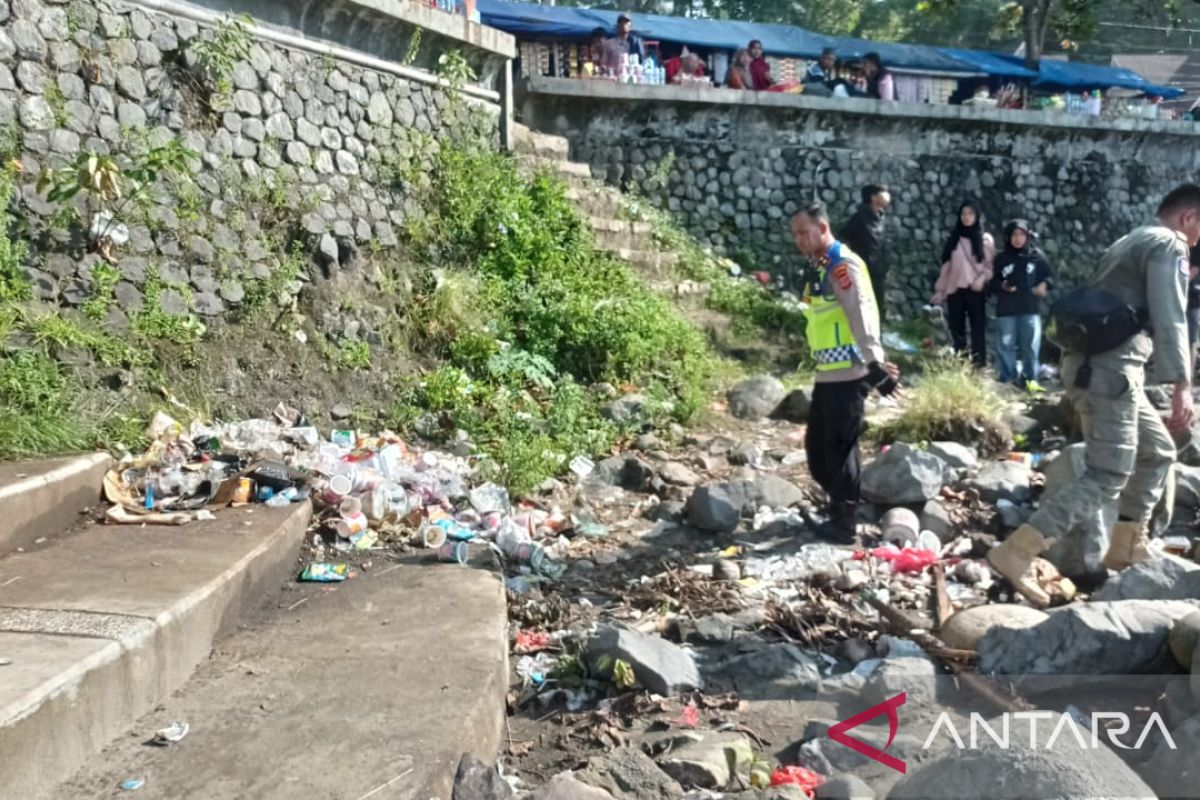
x=1126, y=637
x=957, y=456
x=659, y=665
x=716, y=508
x=1019, y=771
x=1080, y=552
x=1175, y=772
x=772, y=491
x=777, y=793
x=795, y=407
x=844, y=787
x=1187, y=486
x=207, y=304
x=1002, y=480
x=647, y=441
x=624, y=471
x=935, y=517
x=340, y=412
x=769, y=673
x=625, y=409
x=726, y=570
x=964, y=629
x=916, y=675
x=630, y=774
x=710, y=763
x=756, y=398
x=477, y=781
x=855, y=651
x=1182, y=641
x=903, y=476
x=713, y=629
x=677, y=474
x=564, y=786
x=745, y=453
x=1166, y=577
x=1012, y=516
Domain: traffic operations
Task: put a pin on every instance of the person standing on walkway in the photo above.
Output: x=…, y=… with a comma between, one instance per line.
x=1021, y=280
x=864, y=233
x=962, y=283
x=760, y=68
x=1129, y=450
x=843, y=336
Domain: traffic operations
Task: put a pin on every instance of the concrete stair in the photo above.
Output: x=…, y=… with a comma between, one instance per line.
x=629, y=240
x=99, y=623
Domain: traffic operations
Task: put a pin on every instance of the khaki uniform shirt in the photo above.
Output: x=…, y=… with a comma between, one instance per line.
x=1149, y=269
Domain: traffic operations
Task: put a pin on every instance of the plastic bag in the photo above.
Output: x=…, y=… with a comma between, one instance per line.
x=803, y=777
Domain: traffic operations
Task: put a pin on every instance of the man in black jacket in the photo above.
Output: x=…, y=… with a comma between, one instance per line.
x=864, y=234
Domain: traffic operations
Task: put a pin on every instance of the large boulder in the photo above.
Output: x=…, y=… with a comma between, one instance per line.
x=1126, y=637
x=1175, y=772
x=660, y=666
x=1070, y=768
x=964, y=630
x=771, y=491
x=903, y=476
x=716, y=508
x=1002, y=480
x=776, y=673
x=1166, y=577
x=957, y=456
x=756, y=398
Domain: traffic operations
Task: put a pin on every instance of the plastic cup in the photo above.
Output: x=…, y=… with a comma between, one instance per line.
x=351, y=524
x=454, y=553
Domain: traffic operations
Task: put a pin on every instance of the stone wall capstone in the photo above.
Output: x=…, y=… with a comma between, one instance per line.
x=732, y=172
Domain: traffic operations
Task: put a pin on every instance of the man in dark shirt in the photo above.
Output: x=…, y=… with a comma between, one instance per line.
x=629, y=41
x=865, y=233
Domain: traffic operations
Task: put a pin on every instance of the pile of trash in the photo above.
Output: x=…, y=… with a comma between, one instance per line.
x=366, y=490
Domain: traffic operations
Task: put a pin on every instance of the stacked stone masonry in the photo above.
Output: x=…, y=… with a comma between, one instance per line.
x=301, y=148
x=733, y=173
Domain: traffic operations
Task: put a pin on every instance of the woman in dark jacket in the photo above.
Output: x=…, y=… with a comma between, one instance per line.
x=1021, y=280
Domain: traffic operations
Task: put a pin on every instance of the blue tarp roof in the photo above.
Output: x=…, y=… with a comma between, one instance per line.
x=529, y=20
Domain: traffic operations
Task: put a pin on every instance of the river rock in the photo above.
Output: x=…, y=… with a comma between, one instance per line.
x=935, y=517
x=477, y=781
x=716, y=508
x=710, y=763
x=903, y=476
x=1002, y=480
x=1126, y=637
x=957, y=456
x=795, y=407
x=1019, y=771
x=1080, y=552
x=1185, y=633
x=630, y=774
x=844, y=787
x=1175, y=772
x=659, y=665
x=1165, y=577
x=677, y=474
x=564, y=786
x=964, y=629
x=756, y=398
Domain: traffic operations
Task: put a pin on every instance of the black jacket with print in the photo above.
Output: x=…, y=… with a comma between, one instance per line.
x=1021, y=269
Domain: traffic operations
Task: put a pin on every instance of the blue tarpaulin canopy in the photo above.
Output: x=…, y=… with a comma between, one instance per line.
x=528, y=20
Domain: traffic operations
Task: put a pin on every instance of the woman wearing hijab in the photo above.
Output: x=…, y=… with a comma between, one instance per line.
x=963, y=281
x=1022, y=279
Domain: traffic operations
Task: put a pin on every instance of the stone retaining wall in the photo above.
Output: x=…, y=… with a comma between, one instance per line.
x=732, y=167
x=309, y=157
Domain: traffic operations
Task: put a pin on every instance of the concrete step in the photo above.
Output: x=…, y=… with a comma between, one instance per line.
x=533, y=142
x=334, y=693
x=573, y=172
x=597, y=201
x=652, y=261
x=613, y=241
x=102, y=626
x=39, y=497
x=623, y=226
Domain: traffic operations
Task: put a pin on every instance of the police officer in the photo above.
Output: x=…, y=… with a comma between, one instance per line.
x=1129, y=450
x=843, y=335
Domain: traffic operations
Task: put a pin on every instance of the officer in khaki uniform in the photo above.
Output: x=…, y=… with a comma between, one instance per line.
x=1129, y=450
x=844, y=338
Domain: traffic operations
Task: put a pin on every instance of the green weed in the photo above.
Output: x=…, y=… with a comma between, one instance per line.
x=105, y=278
x=950, y=400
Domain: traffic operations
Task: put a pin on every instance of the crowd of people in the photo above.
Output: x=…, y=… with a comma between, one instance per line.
x=748, y=68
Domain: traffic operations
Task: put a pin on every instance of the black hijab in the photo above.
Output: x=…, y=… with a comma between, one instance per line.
x=974, y=233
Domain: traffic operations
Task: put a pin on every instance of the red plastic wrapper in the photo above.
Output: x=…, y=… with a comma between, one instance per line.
x=689, y=717
x=531, y=642
x=803, y=777
x=906, y=560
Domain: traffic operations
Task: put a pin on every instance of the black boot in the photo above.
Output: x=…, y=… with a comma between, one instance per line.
x=840, y=527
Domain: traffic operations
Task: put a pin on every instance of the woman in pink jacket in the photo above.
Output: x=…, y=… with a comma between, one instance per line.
x=962, y=283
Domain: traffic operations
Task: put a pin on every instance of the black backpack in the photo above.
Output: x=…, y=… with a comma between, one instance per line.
x=1092, y=321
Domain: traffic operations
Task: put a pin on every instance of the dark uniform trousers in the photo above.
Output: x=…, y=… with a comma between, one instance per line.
x=835, y=421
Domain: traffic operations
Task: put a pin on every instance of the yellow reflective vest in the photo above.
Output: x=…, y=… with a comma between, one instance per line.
x=830, y=339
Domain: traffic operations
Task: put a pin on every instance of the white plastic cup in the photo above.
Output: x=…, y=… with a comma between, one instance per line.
x=351, y=524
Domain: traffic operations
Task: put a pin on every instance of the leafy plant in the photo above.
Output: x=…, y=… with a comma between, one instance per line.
x=58, y=104
x=454, y=68
x=105, y=278
x=217, y=55
x=950, y=401
x=414, y=46
x=113, y=184
x=13, y=284
x=354, y=354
